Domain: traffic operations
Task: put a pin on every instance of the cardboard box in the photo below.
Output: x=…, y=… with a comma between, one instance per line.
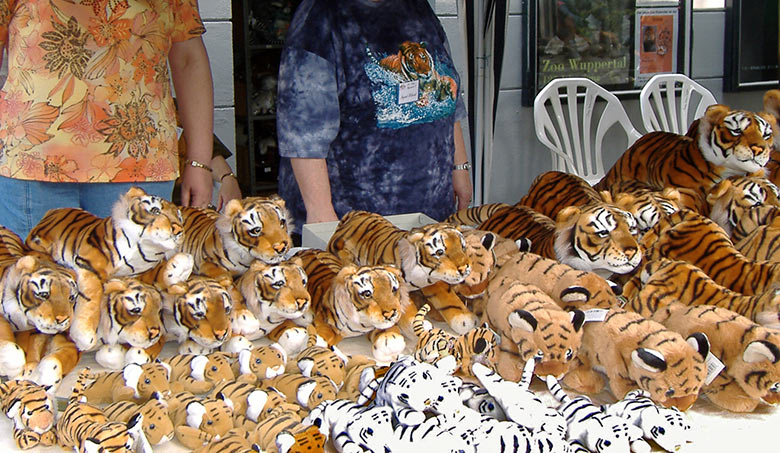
x=317, y=235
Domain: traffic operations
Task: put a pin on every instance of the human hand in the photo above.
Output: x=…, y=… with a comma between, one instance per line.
x=461, y=184
x=196, y=187
x=228, y=190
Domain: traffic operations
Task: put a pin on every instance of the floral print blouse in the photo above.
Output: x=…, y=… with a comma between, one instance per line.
x=88, y=95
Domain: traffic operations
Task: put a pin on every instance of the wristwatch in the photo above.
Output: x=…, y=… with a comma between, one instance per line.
x=463, y=166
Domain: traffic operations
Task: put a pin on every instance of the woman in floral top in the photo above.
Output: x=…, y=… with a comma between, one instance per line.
x=88, y=100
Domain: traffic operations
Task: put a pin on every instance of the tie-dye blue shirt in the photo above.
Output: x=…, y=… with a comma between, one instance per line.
x=371, y=87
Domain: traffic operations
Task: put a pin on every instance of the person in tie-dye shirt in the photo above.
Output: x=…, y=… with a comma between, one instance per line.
x=368, y=112
x=87, y=109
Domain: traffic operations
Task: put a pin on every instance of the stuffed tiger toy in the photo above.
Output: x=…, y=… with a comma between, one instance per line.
x=31, y=410
x=134, y=382
x=726, y=143
x=732, y=197
x=260, y=362
x=49, y=357
x=140, y=232
x=347, y=424
x=246, y=399
x=425, y=255
x=597, y=237
x=749, y=352
x=84, y=427
x=197, y=421
x=252, y=228
x=414, y=62
x=752, y=219
x=531, y=325
x=665, y=281
x=771, y=113
x=474, y=215
x=350, y=300
x=552, y=191
x=761, y=244
x=637, y=352
x=691, y=237
x=327, y=361
x=647, y=204
x=199, y=373
x=156, y=423
x=130, y=317
x=304, y=391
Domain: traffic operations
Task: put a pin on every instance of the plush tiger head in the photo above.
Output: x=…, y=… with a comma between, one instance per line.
x=323, y=361
x=201, y=311
x=434, y=252
x=208, y=417
x=478, y=345
x=214, y=367
x=157, y=424
x=305, y=441
x=148, y=379
x=734, y=196
x=264, y=362
x=597, y=237
x=369, y=296
x=157, y=221
x=257, y=225
x=277, y=291
x=649, y=206
x=131, y=312
x=735, y=139
x=29, y=405
x=37, y=293
x=479, y=248
x=757, y=368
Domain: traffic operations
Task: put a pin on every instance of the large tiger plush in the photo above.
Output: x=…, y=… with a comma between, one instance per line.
x=636, y=352
x=732, y=197
x=597, y=237
x=475, y=215
x=414, y=62
x=726, y=143
x=647, y=204
x=252, y=228
x=750, y=353
x=31, y=410
x=552, y=191
x=425, y=255
x=350, y=300
x=140, y=232
x=531, y=325
x=49, y=357
x=665, y=281
x=691, y=237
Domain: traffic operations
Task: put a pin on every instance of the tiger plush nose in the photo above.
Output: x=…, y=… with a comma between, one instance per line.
x=389, y=314
x=465, y=270
x=302, y=303
x=670, y=393
x=280, y=247
x=61, y=319
x=154, y=332
x=220, y=334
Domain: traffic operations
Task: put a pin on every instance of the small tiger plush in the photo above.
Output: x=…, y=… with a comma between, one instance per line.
x=691, y=237
x=348, y=424
x=140, y=232
x=199, y=373
x=637, y=352
x=49, y=357
x=252, y=228
x=197, y=421
x=305, y=391
x=284, y=433
x=349, y=301
x=134, y=382
x=317, y=360
x=243, y=397
x=665, y=282
x=275, y=293
x=750, y=353
x=31, y=410
x=726, y=143
x=156, y=423
x=597, y=237
x=732, y=197
x=532, y=325
x=262, y=362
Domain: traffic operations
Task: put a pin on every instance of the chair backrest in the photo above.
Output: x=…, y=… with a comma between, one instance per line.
x=575, y=135
x=671, y=102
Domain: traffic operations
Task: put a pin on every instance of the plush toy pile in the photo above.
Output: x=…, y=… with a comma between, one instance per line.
x=657, y=283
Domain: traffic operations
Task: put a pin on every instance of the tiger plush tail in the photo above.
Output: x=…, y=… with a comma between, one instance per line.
x=82, y=381
x=556, y=389
x=420, y=325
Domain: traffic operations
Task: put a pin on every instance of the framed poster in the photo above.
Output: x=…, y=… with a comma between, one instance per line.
x=601, y=40
x=751, y=54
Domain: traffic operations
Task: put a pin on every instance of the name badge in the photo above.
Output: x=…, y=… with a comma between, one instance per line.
x=408, y=92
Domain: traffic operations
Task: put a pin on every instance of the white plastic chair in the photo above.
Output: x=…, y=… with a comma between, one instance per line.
x=575, y=135
x=671, y=102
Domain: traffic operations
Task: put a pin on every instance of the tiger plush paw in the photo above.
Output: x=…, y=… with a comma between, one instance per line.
x=48, y=372
x=139, y=356
x=293, y=340
x=111, y=357
x=463, y=322
x=84, y=336
x=244, y=322
x=177, y=269
x=190, y=347
x=12, y=359
x=236, y=343
x=387, y=346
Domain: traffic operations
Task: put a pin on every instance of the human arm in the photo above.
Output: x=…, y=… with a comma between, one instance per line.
x=461, y=179
x=228, y=183
x=312, y=178
x=191, y=76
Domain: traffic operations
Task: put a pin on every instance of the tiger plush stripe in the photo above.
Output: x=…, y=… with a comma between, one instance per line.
x=691, y=237
x=552, y=191
x=648, y=204
x=750, y=353
x=531, y=324
x=474, y=215
x=731, y=198
x=31, y=410
x=156, y=423
x=726, y=143
x=141, y=230
x=666, y=281
x=754, y=218
x=252, y=228
x=49, y=357
x=198, y=420
x=636, y=352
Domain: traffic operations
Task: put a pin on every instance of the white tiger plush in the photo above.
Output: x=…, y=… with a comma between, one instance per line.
x=589, y=426
x=353, y=427
x=477, y=398
x=667, y=427
x=411, y=388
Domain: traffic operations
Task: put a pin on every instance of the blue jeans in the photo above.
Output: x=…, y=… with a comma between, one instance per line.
x=23, y=203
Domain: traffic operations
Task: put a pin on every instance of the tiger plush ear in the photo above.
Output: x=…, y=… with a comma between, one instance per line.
x=760, y=350
x=648, y=359
x=714, y=114
x=233, y=207
x=566, y=214
x=523, y=321
x=114, y=285
x=577, y=319
x=700, y=343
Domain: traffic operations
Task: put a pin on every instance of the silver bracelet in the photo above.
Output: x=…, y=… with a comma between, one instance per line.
x=463, y=166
